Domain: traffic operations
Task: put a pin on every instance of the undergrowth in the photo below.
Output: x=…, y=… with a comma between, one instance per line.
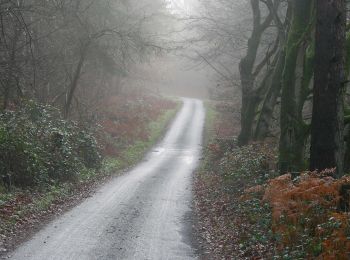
x=235, y=226
x=231, y=226
x=309, y=216
x=38, y=147
x=247, y=211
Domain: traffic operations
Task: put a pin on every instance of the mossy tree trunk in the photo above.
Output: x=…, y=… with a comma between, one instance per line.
x=249, y=71
x=293, y=128
x=347, y=109
x=265, y=116
x=327, y=139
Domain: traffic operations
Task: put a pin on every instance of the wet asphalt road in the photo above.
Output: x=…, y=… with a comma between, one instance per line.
x=140, y=215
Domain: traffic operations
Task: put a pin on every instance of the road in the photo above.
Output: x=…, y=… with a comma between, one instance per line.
x=143, y=214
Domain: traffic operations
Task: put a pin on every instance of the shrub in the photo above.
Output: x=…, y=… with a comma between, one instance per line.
x=20, y=157
x=254, y=161
x=87, y=149
x=306, y=216
x=37, y=146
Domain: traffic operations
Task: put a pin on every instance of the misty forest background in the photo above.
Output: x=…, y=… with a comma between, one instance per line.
x=85, y=90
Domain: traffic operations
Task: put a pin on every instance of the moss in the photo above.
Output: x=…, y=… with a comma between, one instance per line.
x=347, y=64
x=292, y=134
x=308, y=72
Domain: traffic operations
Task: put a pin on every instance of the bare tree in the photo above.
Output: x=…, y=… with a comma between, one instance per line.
x=50, y=49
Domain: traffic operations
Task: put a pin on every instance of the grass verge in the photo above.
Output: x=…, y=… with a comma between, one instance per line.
x=135, y=152
x=209, y=127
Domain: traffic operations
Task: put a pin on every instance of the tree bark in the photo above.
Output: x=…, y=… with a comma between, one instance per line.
x=291, y=147
x=9, y=84
x=246, y=68
x=268, y=106
x=265, y=117
x=75, y=80
x=347, y=108
x=327, y=140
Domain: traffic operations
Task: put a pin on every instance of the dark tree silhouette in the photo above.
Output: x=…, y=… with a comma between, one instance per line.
x=328, y=106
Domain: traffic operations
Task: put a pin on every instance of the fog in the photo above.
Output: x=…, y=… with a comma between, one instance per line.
x=173, y=73
x=73, y=54
x=256, y=88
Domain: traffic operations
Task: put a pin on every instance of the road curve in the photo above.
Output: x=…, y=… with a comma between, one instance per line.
x=140, y=215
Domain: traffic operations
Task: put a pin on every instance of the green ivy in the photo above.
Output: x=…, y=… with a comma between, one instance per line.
x=38, y=147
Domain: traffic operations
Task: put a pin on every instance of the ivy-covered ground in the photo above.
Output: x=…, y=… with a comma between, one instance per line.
x=230, y=226
x=55, y=163
x=245, y=210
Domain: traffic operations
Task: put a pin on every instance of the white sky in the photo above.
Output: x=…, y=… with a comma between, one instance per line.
x=184, y=6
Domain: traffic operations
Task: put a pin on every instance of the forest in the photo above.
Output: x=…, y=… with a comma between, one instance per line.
x=86, y=96
x=283, y=182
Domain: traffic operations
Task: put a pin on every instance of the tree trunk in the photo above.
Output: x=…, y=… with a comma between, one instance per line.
x=327, y=141
x=292, y=137
x=266, y=114
x=347, y=109
x=9, y=84
x=249, y=105
x=246, y=67
x=75, y=80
